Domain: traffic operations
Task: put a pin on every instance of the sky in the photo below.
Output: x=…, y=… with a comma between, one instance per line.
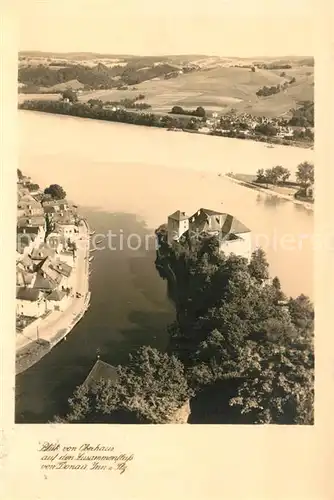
x=213, y=27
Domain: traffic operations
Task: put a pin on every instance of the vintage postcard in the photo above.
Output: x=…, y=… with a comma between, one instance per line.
x=165, y=259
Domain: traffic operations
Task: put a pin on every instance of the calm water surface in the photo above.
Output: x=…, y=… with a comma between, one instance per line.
x=128, y=179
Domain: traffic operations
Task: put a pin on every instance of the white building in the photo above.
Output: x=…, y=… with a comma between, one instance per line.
x=234, y=237
x=178, y=224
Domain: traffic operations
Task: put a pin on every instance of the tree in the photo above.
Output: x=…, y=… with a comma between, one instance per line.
x=280, y=174
x=266, y=129
x=305, y=173
x=260, y=176
x=55, y=191
x=259, y=266
x=177, y=110
x=279, y=383
x=273, y=175
x=234, y=327
x=149, y=389
x=19, y=174
x=70, y=94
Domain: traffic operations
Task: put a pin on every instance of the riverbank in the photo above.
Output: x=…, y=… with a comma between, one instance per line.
x=274, y=191
x=40, y=336
x=148, y=119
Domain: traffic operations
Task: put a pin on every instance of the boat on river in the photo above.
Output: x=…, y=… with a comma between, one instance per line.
x=91, y=258
x=91, y=233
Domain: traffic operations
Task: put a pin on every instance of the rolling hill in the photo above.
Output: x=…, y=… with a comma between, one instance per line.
x=216, y=83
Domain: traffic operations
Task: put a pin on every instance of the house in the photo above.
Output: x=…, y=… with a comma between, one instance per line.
x=56, y=241
x=29, y=238
x=68, y=256
x=66, y=227
x=178, y=224
x=31, y=221
x=24, y=278
x=30, y=302
x=44, y=283
x=233, y=236
x=25, y=209
x=42, y=252
x=24, y=180
x=56, y=205
x=64, y=270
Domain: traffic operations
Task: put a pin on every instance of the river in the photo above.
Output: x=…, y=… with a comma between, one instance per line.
x=127, y=179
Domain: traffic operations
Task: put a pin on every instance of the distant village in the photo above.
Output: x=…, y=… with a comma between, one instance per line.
x=47, y=233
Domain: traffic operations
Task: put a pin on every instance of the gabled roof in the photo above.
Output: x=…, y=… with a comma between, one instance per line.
x=209, y=212
x=24, y=278
x=101, y=370
x=23, y=240
x=44, y=283
x=61, y=268
x=31, y=294
x=32, y=221
x=42, y=252
x=56, y=295
x=63, y=220
x=233, y=225
x=47, y=268
x=28, y=230
x=178, y=215
x=54, y=202
x=23, y=204
x=26, y=261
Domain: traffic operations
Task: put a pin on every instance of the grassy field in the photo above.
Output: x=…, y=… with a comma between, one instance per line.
x=217, y=85
x=221, y=89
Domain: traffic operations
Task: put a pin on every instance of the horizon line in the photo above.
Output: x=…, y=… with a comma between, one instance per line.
x=107, y=54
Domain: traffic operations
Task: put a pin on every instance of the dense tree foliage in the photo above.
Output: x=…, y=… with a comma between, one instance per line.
x=233, y=325
x=266, y=129
x=267, y=91
x=55, y=191
x=275, y=175
x=199, y=111
x=150, y=389
x=71, y=95
x=99, y=76
x=303, y=116
x=99, y=112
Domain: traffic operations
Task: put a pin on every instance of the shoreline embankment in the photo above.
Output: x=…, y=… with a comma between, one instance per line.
x=53, y=330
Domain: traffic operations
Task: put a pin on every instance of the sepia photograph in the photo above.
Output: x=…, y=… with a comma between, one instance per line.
x=165, y=213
